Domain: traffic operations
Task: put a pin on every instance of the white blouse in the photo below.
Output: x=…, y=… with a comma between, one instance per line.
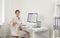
x=14, y=29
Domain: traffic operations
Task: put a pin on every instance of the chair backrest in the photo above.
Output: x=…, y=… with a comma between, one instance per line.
x=57, y=23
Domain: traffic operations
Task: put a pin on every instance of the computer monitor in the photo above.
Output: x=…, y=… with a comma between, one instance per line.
x=32, y=17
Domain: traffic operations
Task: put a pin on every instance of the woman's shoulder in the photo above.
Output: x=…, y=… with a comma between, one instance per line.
x=14, y=18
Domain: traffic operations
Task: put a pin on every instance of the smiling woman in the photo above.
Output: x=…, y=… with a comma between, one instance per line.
x=1, y=12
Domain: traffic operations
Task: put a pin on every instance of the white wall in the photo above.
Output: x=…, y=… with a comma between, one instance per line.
x=10, y=7
x=44, y=8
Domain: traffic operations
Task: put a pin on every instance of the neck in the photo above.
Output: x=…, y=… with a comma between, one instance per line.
x=18, y=17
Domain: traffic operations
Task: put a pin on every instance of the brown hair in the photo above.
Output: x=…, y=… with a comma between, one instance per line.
x=17, y=11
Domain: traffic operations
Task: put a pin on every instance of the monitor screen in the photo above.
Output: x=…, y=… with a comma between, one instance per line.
x=32, y=17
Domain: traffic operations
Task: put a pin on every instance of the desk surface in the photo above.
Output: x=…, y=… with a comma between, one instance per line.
x=35, y=29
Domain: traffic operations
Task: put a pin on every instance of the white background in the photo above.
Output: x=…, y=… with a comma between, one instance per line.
x=44, y=8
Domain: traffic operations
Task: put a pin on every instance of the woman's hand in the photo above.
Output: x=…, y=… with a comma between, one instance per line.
x=14, y=23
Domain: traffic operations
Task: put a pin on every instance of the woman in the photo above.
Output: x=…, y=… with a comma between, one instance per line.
x=16, y=29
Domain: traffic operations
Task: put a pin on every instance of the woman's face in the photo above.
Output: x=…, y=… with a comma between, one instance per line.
x=17, y=14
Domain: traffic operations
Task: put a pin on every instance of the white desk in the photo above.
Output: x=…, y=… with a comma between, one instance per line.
x=34, y=30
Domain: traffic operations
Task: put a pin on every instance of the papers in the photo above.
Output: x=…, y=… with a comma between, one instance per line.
x=57, y=23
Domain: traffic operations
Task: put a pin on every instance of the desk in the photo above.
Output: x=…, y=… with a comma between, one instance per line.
x=34, y=30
